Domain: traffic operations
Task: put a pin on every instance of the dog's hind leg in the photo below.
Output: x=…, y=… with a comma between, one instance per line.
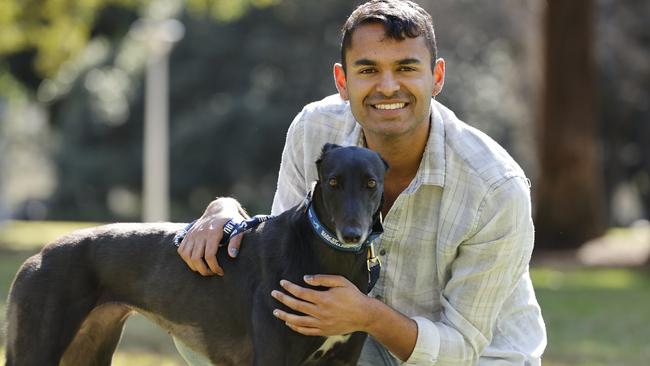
x=98, y=336
x=44, y=311
x=48, y=307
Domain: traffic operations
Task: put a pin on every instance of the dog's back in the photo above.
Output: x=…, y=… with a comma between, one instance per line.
x=71, y=300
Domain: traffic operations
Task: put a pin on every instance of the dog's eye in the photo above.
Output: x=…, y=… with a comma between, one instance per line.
x=333, y=182
x=371, y=183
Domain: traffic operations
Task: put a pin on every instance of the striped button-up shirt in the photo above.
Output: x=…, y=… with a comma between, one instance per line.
x=456, y=244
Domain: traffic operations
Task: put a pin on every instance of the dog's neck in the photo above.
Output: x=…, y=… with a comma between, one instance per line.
x=319, y=207
x=329, y=260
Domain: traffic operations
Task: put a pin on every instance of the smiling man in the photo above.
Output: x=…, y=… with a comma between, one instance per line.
x=455, y=287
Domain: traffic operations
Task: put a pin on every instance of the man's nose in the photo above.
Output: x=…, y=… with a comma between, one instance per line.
x=388, y=84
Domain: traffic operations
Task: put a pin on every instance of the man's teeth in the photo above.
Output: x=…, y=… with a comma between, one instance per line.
x=390, y=106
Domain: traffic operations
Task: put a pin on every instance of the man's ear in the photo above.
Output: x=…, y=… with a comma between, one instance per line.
x=438, y=77
x=340, y=81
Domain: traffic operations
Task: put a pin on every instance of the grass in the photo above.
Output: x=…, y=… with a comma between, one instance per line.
x=594, y=316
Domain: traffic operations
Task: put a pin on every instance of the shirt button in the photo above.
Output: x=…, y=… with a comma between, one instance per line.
x=382, y=252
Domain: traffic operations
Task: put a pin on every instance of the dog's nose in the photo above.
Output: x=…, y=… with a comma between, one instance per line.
x=351, y=235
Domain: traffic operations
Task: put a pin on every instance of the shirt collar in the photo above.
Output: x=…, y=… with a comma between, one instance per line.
x=432, y=166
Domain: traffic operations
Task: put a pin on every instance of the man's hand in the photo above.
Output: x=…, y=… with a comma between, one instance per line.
x=341, y=309
x=199, y=247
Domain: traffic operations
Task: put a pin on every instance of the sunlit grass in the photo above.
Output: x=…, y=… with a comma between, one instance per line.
x=32, y=235
x=135, y=357
x=611, y=279
x=595, y=316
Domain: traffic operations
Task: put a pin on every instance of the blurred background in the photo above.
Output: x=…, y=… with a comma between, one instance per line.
x=125, y=110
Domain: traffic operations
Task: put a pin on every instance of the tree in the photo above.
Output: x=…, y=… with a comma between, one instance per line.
x=569, y=193
x=37, y=37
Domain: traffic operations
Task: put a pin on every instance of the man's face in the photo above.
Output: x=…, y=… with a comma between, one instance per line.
x=388, y=82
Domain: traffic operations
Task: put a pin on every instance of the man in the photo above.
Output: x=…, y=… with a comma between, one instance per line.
x=455, y=287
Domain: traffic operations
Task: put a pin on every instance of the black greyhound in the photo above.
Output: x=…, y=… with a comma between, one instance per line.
x=68, y=304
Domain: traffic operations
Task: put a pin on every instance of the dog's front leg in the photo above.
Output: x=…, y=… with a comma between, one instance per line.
x=274, y=344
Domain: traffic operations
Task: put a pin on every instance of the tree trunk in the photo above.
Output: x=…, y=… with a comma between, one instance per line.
x=569, y=193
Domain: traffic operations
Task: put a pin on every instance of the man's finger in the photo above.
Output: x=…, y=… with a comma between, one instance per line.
x=306, y=331
x=301, y=292
x=212, y=246
x=327, y=280
x=213, y=265
x=295, y=304
x=296, y=320
x=185, y=250
x=197, y=259
x=234, y=244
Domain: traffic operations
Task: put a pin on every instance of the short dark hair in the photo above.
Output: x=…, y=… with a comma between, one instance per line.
x=400, y=18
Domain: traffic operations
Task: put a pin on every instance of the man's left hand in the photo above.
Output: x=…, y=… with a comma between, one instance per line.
x=339, y=310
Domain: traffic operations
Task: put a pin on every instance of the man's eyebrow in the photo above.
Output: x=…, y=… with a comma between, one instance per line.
x=409, y=61
x=404, y=61
x=364, y=62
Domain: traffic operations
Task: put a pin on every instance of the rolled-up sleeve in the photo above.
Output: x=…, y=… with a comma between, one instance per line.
x=427, y=345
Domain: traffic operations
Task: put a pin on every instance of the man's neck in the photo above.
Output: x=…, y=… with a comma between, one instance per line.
x=403, y=155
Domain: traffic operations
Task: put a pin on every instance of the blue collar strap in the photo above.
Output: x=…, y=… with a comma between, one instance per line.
x=181, y=234
x=229, y=230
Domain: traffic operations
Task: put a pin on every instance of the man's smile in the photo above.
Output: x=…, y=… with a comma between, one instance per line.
x=389, y=106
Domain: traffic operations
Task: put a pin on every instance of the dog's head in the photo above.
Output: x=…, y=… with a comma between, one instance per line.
x=350, y=190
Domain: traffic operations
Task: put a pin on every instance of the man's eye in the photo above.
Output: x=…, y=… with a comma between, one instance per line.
x=367, y=71
x=406, y=68
x=333, y=182
x=371, y=183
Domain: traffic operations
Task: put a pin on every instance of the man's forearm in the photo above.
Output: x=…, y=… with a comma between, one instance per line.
x=391, y=328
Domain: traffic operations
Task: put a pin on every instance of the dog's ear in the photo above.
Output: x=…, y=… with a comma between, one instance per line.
x=326, y=148
x=383, y=161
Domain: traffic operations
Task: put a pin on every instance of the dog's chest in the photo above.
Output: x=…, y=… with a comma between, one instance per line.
x=327, y=346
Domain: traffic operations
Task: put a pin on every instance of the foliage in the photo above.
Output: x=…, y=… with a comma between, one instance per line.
x=53, y=31
x=234, y=89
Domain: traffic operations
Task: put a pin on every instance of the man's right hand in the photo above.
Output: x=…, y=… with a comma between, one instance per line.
x=199, y=247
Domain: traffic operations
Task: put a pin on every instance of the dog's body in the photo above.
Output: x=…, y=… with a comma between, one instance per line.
x=68, y=303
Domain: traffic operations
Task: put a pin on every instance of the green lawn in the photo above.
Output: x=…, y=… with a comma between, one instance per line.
x=594, y=316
